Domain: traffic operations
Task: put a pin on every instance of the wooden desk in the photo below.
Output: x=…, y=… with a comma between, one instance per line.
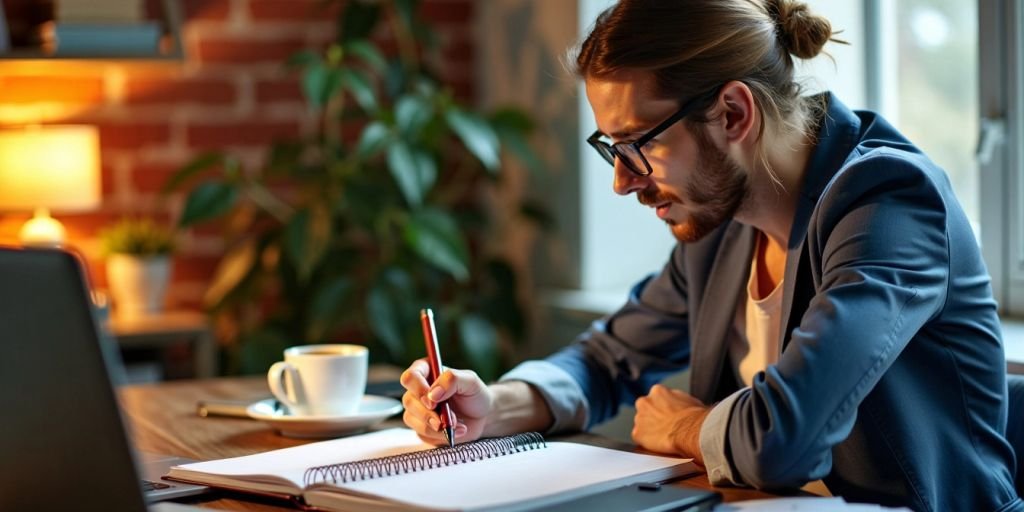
x=162, y=418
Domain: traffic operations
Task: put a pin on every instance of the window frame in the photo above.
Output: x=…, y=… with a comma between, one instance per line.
x=1000, y=147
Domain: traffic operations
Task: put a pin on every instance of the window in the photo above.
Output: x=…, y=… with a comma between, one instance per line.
x=947, y=73
x=1001, y=148
x=935, y=83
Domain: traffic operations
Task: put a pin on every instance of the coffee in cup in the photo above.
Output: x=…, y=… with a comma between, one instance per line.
x=320, y=380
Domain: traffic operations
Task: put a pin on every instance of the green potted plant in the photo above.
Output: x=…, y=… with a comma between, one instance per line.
x=345, y=238
x=138, y=262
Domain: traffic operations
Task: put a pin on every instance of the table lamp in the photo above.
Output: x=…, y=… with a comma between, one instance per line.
x=49, y=167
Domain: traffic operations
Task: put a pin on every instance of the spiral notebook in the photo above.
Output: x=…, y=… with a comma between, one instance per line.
x=393, y=470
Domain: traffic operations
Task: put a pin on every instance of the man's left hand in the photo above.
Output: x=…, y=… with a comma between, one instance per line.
x=669, y=421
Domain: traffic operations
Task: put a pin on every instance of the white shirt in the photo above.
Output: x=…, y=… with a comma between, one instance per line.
x=757, y=320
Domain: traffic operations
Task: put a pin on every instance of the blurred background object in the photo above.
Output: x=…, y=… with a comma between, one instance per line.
x=228, y=91
x=344, y=234
x=5, y=39
x=44, y=168
x=138, y=253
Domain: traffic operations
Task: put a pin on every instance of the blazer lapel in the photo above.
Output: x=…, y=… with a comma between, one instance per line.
x=711, y=331
x=837, y=137
x=797, y=236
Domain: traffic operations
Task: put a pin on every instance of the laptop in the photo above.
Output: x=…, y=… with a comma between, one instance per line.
x=63, y=444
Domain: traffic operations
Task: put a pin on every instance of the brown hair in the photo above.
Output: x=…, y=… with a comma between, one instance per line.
x=692, y=46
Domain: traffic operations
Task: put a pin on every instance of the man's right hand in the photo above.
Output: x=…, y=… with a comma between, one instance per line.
x=469, y=398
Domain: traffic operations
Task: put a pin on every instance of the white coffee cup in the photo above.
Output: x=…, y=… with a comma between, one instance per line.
x=320, y=380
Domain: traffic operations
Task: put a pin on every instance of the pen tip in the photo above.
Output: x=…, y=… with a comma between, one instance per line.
x=449, y=434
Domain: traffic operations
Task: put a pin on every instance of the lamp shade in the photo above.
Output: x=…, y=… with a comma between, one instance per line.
x=54, y=166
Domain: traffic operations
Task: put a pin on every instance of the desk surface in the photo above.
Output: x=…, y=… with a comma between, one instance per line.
x=162, y=419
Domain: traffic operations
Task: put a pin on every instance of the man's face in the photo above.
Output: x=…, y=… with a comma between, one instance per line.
x=694, y=186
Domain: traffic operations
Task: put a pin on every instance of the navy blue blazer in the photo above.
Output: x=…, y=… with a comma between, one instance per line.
x=891, y=382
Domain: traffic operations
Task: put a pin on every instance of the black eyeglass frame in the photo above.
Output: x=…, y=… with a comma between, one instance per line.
x=611, y=151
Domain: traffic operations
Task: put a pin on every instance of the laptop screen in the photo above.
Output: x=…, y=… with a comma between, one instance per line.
x=62, y=438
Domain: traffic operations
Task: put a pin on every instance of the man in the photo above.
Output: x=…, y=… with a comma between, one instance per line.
x=827, y=291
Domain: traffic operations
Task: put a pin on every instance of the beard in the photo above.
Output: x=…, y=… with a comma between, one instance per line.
x=715, y=192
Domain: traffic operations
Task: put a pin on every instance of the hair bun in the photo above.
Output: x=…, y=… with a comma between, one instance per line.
x=800, y=31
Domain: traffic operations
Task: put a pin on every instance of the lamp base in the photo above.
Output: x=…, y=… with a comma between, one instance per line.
x=42, y=230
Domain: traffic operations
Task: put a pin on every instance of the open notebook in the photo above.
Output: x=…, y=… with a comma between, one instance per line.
x=370, y=472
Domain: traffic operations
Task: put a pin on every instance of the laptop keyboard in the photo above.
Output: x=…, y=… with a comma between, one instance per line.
x=152, y=486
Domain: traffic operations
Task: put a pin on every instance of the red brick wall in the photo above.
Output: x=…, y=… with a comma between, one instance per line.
x=230, y=92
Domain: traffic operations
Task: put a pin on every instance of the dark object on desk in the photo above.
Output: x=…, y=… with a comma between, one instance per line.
x=63, y=444
x=641, y=498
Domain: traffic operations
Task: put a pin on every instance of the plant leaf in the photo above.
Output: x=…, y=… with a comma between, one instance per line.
x=307, y=237
x=207, y=201
x=285, y=156
x=231, y=271
x=320, y=83
x=304, y=58
x=513, y=126
x=195, y=166
x=412, y=112
x=359, y=85
x=434, y=235
x=368, y=54
x=425, y=35
x=405, y=169
x=384, y=317
x=427, y=167
x=520, y=148
x=479, y=341
x=326, y=307
x=477, y=135
x=261, y=348
x=362, y=202
x=395, y=78
x=373, y=139
x=314, y=82
x=358, y=21
x=512, y=119
x=407, y=10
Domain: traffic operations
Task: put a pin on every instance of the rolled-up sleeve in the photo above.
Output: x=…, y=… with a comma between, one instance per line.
x=622, y=355
x=562, y=393
x=713, y=438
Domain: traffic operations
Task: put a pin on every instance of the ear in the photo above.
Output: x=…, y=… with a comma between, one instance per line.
x=737, y=112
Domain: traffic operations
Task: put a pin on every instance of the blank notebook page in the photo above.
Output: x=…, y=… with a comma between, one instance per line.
x=558, y=468
x=513, y=478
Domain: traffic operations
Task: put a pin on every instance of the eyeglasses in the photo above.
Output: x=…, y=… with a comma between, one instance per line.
x=630, y=153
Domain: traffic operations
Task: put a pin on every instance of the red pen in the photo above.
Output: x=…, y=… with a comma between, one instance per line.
x=434, y=359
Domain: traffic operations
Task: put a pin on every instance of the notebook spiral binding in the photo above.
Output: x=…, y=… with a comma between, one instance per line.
x=418, y=461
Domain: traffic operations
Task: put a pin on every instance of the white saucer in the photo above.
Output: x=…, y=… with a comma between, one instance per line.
x=372, y=410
